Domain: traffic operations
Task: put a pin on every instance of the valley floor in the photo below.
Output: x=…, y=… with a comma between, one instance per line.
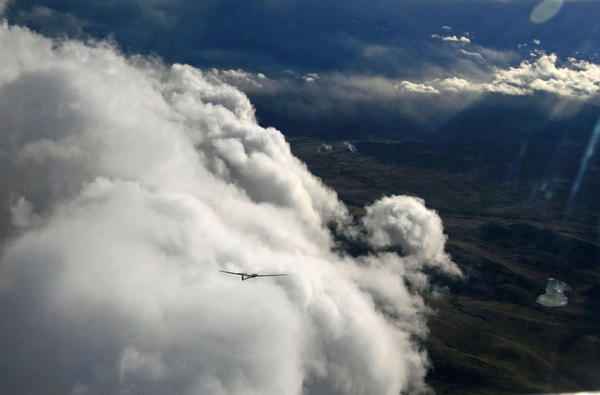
x=488, y=335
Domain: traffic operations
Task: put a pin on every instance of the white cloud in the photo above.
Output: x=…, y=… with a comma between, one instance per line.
x=462, y=39
x=241, y=79
x=456, y=85
x=408, y=86
x=576, y=79
x=145, y=179
x=453, y=38
x=404, y=221
x=310, y=77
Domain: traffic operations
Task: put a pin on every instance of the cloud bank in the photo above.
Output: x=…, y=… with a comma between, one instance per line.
x=576, y=79
x=448, y=90
x=137, y=182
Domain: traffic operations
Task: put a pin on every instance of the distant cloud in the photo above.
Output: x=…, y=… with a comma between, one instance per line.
x=142, y=180
x=475, y=55
x=349, y=146
x=408, y=86
x=239, y=78
x=453, y=38
x=473, y=72
x=576, y=79
x=311, y=77
x=456, y=84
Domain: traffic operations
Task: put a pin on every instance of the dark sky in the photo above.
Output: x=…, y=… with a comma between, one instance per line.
x=309, y=35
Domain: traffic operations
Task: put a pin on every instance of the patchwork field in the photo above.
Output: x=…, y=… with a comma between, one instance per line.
x=488, y=335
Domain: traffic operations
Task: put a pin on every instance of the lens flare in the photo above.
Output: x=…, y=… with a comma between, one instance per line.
x=545, y=11
x=589, y=152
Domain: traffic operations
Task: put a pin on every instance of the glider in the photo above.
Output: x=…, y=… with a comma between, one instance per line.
x=247, y=276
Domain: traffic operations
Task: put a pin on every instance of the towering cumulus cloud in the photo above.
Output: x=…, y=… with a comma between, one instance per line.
x=132, y=183
x=404, y=221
